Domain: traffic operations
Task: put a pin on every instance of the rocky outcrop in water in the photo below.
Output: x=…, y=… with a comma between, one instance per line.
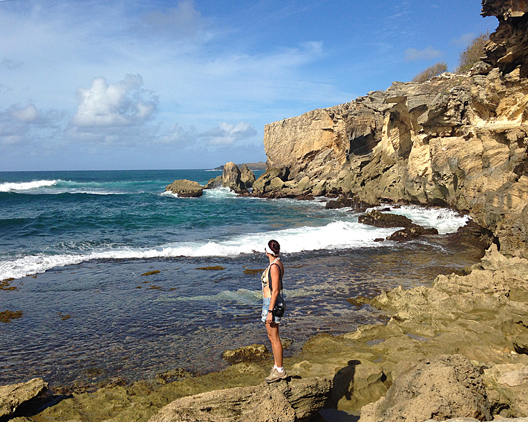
x=235, y=178
x=185, y=188
x=456, y=141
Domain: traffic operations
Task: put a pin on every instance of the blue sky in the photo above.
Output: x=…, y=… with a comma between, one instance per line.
x=89, y=85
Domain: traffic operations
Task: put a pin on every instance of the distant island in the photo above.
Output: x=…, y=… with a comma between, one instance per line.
x=252, y=166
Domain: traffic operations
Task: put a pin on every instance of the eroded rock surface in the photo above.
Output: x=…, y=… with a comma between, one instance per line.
x=282, y=401
x=443, y=387
x=14, y=395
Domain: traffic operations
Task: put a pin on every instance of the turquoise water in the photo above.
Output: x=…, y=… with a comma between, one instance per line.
x=77, y=246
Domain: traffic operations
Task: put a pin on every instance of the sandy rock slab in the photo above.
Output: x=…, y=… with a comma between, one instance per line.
x=443, y=387
x=12, y=396
x=282, y=401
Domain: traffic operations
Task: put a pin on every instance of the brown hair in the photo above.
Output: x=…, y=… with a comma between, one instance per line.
x=274, y=246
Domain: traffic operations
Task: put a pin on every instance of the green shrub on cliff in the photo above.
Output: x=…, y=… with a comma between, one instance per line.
x=473, y=52
x=430, y=72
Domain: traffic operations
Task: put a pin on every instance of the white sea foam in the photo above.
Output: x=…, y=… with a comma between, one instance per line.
x=334, y=235
x=25, y=186
x=444, y=220
x=169, y=193
x=219, y=193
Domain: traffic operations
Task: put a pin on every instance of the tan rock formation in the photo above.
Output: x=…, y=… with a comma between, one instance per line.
x=456, y=140
x=231, y=177
x=507, y=46
x=247, y=176
x=12, y=396
x=185, y=188
x=282, y=401
x=443, y=387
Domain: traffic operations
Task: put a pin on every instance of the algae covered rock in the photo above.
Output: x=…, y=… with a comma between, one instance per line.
x=247, y=353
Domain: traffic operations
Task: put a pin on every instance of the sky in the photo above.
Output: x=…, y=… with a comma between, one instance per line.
x=190, y=84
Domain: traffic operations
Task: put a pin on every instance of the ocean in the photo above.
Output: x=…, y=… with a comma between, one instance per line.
x=115, y=277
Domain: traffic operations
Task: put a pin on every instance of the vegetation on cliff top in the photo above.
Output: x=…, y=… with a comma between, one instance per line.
x=431, y=72
x=473, y=52
x=471, y=55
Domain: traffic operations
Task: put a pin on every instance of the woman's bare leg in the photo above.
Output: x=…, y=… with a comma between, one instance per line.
x=276, y=345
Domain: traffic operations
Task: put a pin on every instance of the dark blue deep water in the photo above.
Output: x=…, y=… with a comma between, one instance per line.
x=108, y=272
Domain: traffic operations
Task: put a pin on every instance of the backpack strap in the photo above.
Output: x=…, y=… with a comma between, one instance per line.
x=271, y=280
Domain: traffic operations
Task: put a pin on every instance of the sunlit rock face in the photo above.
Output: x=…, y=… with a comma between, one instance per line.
x=507, y=46
x=456, y=140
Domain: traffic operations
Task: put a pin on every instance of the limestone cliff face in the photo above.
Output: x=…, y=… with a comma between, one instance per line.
x=507, y=47
x=457, y=140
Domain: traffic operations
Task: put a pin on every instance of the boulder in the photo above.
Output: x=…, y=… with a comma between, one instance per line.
x=247, y=176
x=410, y=233
x=12, y=396
x=231, y=178
x=185, y=188
x=346, y=202
x=214, y=183
x=443, y=387
x=380, y=219
x=262, y=184
x=285, y=401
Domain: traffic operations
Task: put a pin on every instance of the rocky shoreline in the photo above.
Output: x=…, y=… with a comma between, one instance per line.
x=456, y=349
x=452, y=351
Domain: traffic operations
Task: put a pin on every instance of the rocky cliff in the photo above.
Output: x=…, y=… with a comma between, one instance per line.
x=456, y=140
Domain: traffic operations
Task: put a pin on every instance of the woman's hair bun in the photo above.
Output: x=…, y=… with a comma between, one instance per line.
x=274, y=246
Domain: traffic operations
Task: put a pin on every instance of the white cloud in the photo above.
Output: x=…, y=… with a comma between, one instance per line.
x=27, y=114
x=464, y=40
x=180, y=22
x=104, y=105
x=176, y=134
x=413, y=54
x=229, y=133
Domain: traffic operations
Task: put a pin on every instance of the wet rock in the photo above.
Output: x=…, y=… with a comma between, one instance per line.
x=346, y=202
x=410, y=233
x=12, y=396
x=380, y=219
x=246, y=354
x=443, y=387
x=173, y=374
x=185, y=188
x=282, y=401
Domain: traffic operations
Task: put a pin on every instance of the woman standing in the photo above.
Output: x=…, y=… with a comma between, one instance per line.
x=271, y=286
